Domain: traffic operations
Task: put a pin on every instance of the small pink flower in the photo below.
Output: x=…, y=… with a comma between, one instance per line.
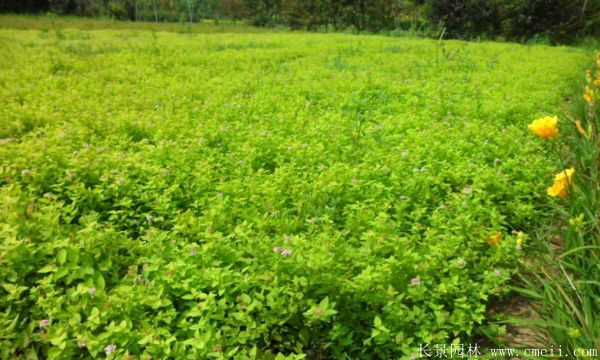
x=92, y=291
x=287, y=239
x=416, y=281
x=44, y=323
x=497, y=272
x=467, y=190
x=110, y=349
x=81, y=344
x=277, y=249
x=461, y=261
x=193, y=251
x=286, y=252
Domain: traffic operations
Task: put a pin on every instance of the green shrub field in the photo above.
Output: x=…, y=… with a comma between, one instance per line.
x=189, y=195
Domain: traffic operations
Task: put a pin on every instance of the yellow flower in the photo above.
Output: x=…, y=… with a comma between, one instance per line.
x=545, y=127
x=521, y=236
x=562, y=181
x=580, y=128
x=494, y=239
x=588, y=95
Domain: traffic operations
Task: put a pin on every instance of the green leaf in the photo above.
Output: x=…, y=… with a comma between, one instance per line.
x=100, y=284
x=62, y=256
x=47, y=269
x=304, y=336
x=377, y=321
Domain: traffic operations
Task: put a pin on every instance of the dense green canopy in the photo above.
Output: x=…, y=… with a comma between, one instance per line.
x=560, y=21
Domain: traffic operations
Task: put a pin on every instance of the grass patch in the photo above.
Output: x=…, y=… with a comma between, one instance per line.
x=51, y=22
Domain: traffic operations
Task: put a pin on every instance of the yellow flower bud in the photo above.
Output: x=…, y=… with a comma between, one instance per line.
x=495, y=239
x=580, y=128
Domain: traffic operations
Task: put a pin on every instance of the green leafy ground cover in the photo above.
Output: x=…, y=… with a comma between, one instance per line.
x=246, y=195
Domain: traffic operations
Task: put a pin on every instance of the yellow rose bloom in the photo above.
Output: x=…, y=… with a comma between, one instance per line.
x=562, y=181
x=546, y=127
x=495, y=239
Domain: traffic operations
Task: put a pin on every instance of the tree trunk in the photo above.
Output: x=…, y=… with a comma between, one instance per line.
x=190, y=11
x=155, y=12
x=583, y=8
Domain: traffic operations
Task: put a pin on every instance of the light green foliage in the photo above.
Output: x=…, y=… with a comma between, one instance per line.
x=239, y=195
x=51, y=21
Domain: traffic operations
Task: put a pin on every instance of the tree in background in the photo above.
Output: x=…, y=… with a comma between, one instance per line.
x=233, y=10
x=464, y=18
x=264, y=12
x=558, y=21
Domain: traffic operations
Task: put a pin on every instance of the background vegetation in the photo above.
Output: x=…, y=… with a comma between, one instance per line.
x=555, y=21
